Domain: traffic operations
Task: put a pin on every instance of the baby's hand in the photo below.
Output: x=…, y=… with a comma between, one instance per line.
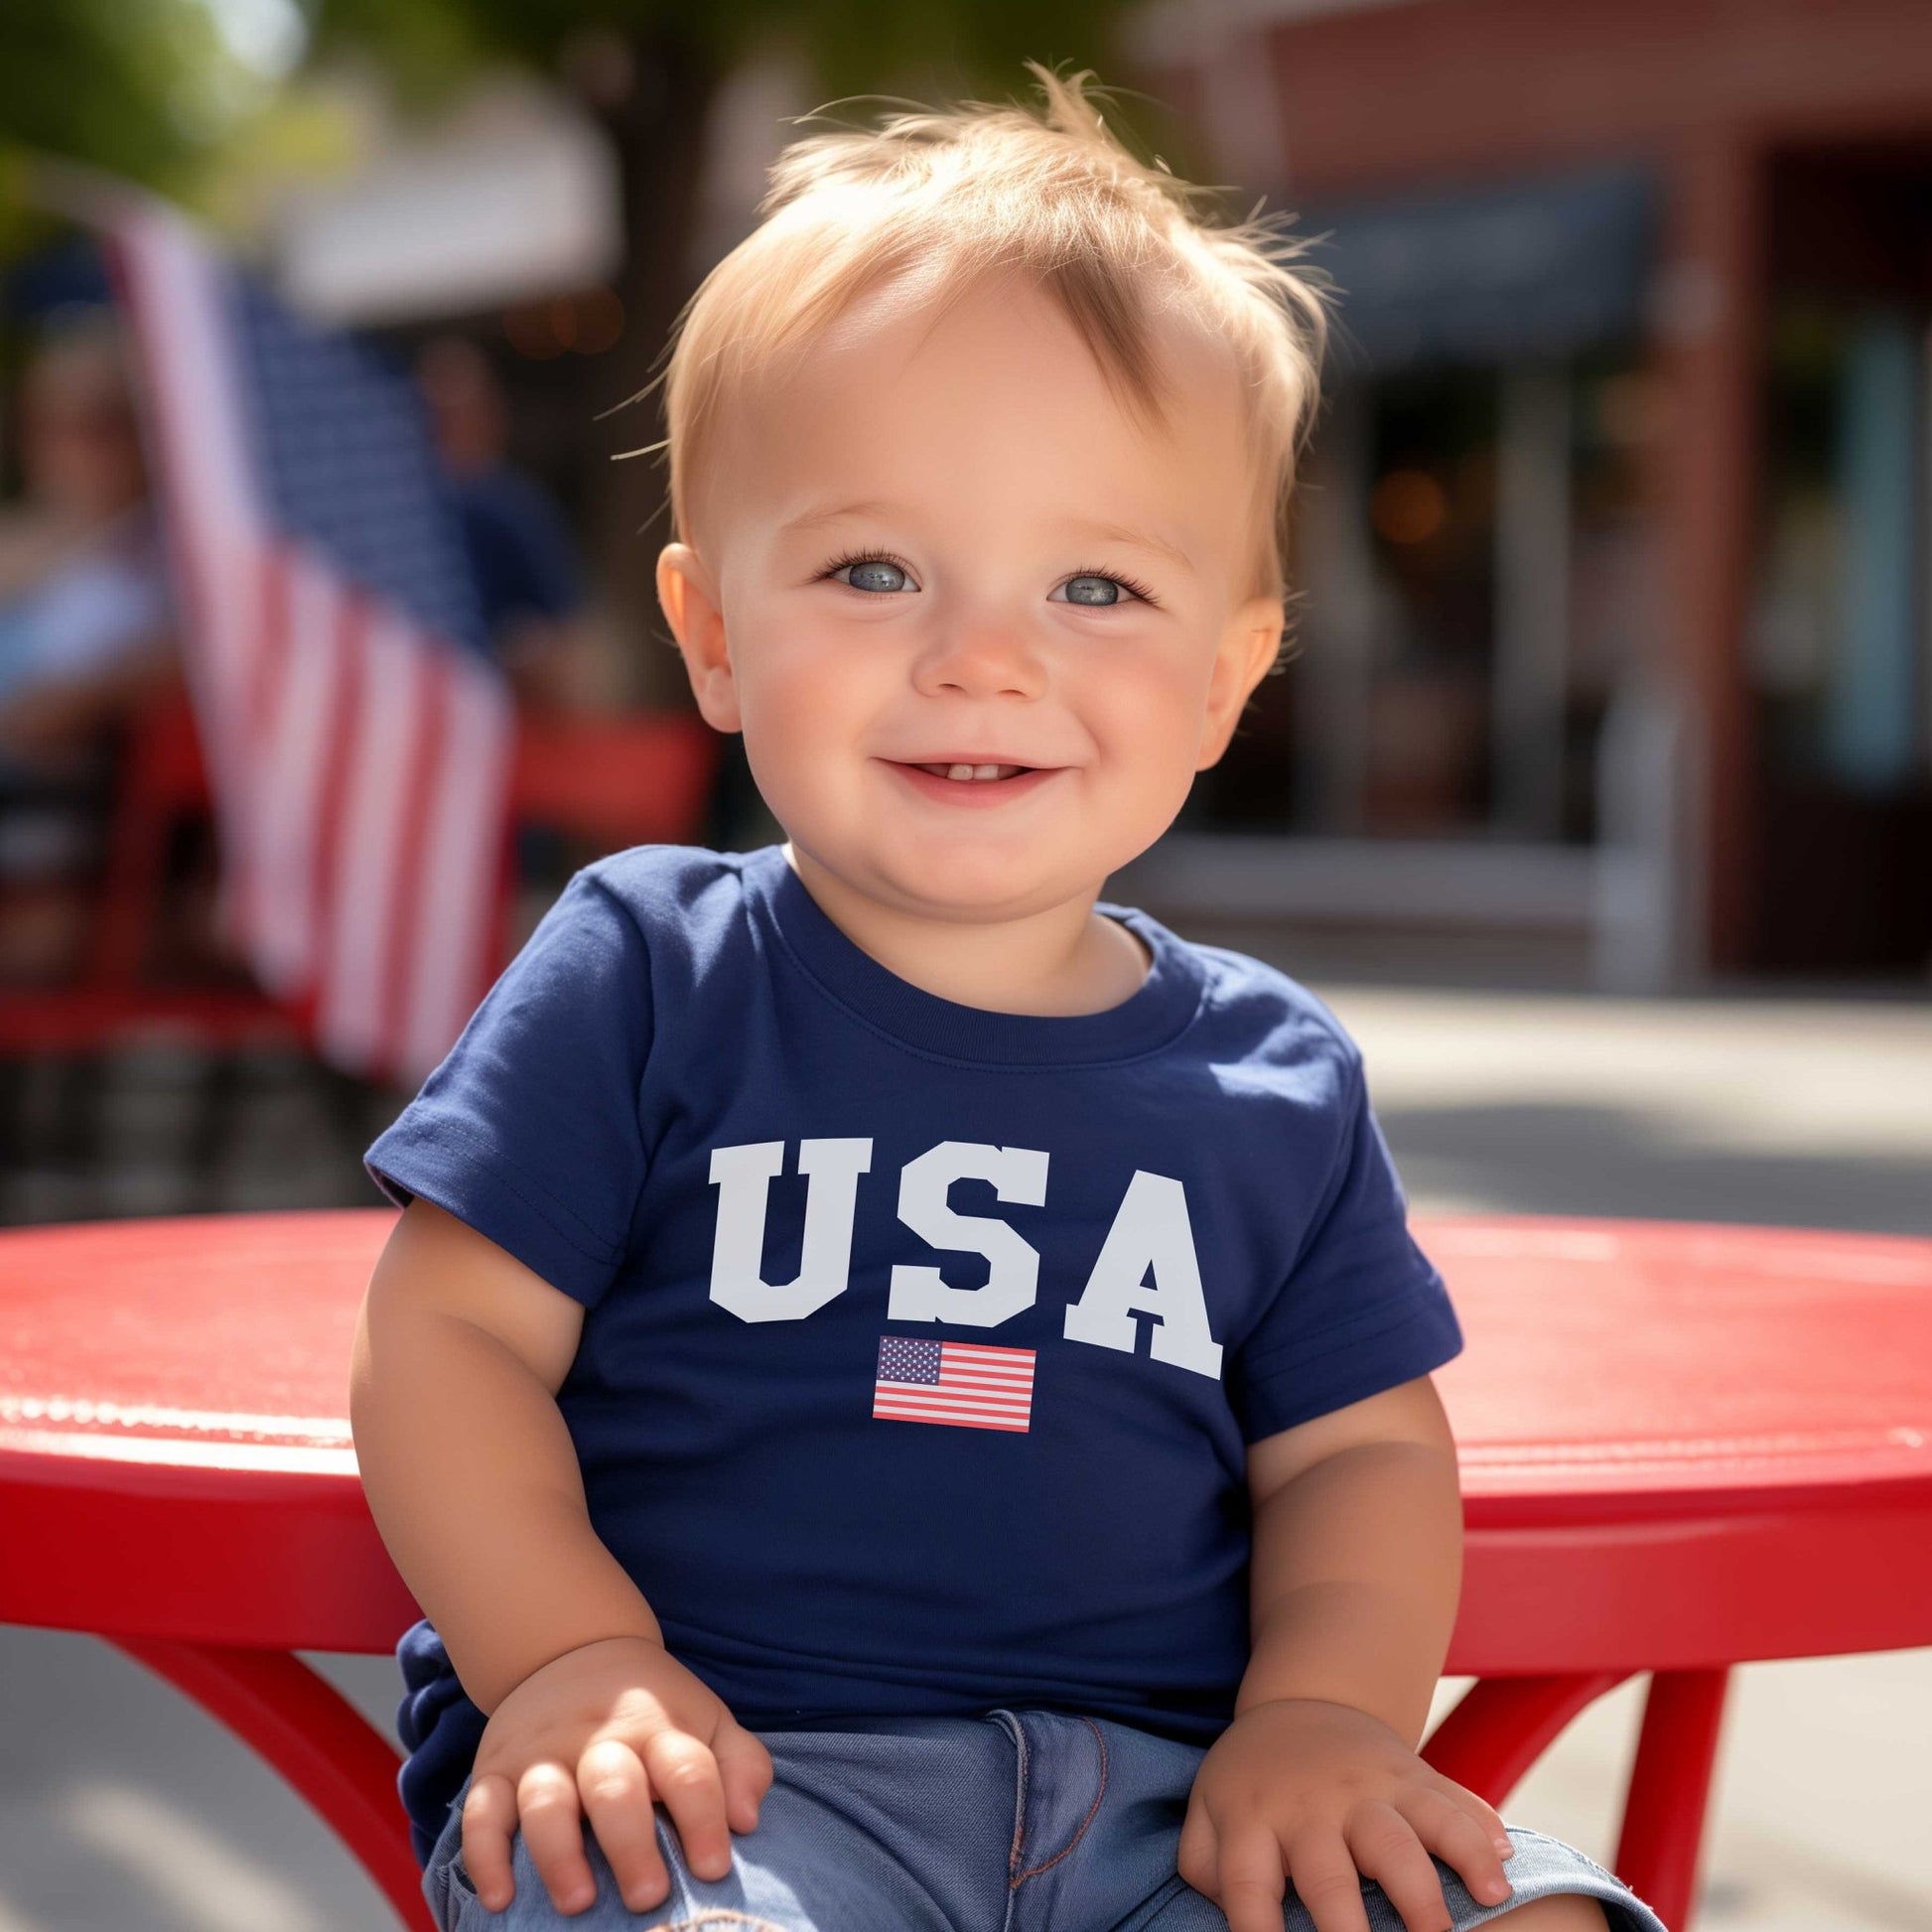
x=601, y=1731
x=1318, y=1793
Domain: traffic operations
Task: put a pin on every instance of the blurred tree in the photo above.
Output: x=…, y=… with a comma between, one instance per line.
x=149, y=88
x=648, y=69
x=108, y=81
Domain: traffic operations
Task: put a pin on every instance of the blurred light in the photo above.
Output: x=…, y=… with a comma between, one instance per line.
x=267, y=36
x=529, y=332
x=1408, y=507
x=589, y=322
x=1630, y=409
x=600, y=64
x=600, y=322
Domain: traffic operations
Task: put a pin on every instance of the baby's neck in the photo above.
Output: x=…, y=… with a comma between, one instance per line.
x=1065, y=960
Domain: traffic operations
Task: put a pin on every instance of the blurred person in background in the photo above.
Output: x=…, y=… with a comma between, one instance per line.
x=85, y=619
x=85, y=631
x=527, y=568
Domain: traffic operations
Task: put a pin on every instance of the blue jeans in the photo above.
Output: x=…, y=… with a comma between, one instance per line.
x=1020, y=1821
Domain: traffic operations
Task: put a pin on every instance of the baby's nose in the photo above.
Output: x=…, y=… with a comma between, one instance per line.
x=980, y=661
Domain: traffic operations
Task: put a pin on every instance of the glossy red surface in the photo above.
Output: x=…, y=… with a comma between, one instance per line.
x=1683, y=1445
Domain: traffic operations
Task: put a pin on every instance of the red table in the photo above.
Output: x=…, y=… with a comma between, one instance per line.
x=1683, y=1447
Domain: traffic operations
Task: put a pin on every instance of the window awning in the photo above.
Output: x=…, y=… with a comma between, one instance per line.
x=1544, y=266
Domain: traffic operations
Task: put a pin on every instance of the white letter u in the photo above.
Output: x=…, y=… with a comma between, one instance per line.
x=743, y=1177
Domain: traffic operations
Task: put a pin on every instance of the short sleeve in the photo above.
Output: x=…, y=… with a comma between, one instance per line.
x=1361, y=1311
x=530, y=1129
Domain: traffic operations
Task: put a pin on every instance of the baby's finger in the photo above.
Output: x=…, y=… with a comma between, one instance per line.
x=617, y=1800
x=1328, y=1883
x=1252, y=1882
x=745, y=1771
x=1385, y=1848
x=684, y=1780
x=1460, y=1839
x=1197, y=1856
x=488, y=1825
x=1485, y=1814
x=553, y=1834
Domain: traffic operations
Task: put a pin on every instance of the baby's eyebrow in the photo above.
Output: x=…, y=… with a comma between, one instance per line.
x=1081, y=526
x=1126, y=534
x=831, y=513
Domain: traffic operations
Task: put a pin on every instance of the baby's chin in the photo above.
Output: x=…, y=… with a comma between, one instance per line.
x=968, y=884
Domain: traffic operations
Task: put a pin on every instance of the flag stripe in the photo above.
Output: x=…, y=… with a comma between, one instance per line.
x=350, y=652
x=210, y=525
x=428, y=748
x=456, y=893
x=205, y=439
x=297, y=744
x=927, y=1399
x=372, y=836
x=953, y=1422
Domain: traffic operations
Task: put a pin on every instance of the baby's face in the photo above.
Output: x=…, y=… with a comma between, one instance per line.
x=935, y=551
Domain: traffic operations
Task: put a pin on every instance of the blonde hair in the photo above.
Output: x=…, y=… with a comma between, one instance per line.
x=957, y=193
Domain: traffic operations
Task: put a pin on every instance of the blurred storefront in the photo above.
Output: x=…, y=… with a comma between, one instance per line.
x=1612, y=560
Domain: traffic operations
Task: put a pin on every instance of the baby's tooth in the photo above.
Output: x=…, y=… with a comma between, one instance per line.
x=985, y=770
x=959, y=771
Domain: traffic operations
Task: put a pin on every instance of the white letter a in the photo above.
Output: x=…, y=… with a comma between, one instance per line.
x=1151, y=1235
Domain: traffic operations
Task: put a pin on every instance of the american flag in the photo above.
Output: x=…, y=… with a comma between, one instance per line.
x=358, y=739
x=958, y=1382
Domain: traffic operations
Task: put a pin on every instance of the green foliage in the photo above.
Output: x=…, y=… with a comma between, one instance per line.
x=142, y=89
x=923, y=50
x=139, y=86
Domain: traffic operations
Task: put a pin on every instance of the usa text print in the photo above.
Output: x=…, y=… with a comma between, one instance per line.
x=1148, y=1263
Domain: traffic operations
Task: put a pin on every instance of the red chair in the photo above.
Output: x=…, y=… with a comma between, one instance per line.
x=638, y=779
x=606, y=780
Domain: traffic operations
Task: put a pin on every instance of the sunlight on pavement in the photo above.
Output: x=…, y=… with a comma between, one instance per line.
x=210, y=1881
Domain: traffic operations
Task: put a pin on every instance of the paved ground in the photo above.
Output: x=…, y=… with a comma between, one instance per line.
x=121, y=1808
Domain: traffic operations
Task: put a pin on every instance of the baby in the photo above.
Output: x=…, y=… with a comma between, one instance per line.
x=902, y=1387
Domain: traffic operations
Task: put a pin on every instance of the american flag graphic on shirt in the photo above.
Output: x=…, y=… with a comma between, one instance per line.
x=956, y=1382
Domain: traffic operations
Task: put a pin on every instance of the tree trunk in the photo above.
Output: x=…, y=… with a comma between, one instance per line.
x=658, y=130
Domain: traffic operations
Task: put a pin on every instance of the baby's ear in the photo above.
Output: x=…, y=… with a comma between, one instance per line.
x=690, y=602
x=1250, y=644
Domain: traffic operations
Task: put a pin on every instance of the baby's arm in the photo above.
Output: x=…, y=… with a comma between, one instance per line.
x=1357, y=1562
x=473, y=1483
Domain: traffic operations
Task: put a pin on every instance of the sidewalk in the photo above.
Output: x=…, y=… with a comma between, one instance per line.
x=120, y=1807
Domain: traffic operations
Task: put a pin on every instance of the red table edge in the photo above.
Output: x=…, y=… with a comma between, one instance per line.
x=134, y=1476
x=1487, y=1742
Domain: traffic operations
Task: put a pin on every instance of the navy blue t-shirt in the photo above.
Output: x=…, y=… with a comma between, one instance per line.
x=924, y=1343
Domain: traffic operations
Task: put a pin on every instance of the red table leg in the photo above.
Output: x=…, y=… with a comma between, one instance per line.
x=319, y=1741
x=1670, y=1784
x=1505, y=1723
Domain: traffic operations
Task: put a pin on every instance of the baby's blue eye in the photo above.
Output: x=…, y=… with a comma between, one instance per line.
x=1092, y=590
x=874, y=574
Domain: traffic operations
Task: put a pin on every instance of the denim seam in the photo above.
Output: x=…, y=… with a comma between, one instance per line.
x=1093, y=1811
x=717, y=1915
x=1013, y=1850
x=1600, y=1870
